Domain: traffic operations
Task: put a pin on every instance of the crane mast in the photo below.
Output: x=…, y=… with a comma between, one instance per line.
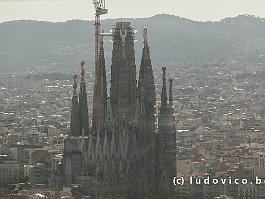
x=97, y=104
x=100, y=10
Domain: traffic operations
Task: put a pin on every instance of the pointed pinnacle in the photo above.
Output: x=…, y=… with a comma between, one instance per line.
x=82, y=63
x=75, y=82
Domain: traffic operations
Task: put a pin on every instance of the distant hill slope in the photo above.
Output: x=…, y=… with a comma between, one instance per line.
x=47, y=46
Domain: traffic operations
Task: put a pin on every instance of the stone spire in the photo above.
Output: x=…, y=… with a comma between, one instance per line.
x=75, y=119
x=147, y=102
x=146, y=78
x=164, y=90
x=83, y=109
x=170, y=93
x=100, y=107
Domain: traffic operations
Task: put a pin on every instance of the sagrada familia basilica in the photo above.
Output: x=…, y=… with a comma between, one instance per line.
x=129, y=149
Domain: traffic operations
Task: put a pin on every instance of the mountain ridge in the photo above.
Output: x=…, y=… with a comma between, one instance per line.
x=157, y=15
x=59, y=46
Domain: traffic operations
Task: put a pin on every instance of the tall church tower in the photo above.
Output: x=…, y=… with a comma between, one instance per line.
x=79, y=127
x=167, y=134
x=123, y=72
x=146, y=122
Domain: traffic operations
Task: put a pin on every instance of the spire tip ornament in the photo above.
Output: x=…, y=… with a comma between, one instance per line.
x=145, y=34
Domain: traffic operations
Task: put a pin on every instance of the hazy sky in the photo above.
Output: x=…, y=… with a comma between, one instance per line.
x=61, y=10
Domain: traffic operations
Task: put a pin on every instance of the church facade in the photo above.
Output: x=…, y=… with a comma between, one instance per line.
x=131, y=154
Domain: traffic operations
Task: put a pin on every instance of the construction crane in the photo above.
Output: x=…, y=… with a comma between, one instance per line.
x=100, y=10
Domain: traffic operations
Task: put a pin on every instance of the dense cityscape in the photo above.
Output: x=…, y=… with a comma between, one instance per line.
x=219, y=114
x=117, y=129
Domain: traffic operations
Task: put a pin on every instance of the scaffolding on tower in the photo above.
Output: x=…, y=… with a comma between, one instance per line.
x=97, y=117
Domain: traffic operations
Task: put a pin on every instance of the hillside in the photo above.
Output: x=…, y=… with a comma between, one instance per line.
x=47, y=46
